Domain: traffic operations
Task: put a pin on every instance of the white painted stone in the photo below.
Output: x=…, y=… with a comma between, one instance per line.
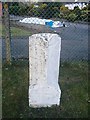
x=44, y=59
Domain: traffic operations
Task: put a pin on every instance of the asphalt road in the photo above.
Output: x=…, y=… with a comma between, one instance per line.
x=74, y=43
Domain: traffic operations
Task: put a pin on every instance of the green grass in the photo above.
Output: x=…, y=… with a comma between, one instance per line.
x=0, y=29
x=19, y=32
x=15, y=31
x=74, y=99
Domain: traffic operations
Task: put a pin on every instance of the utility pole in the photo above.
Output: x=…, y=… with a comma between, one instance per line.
x=7, y=33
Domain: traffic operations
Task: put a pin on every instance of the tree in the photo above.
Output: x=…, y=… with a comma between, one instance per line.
x=64, y=11
x=14, y=8
x=78, y=13
x=85, y=12
x=72, y=17
x=51, y=10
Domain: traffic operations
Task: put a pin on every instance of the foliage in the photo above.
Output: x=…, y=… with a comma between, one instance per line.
x=50, y=10
x=72, y=17
x=75, y=14
x=14, y=9
x=84, y=15
x=44, y=9
x=64, y=10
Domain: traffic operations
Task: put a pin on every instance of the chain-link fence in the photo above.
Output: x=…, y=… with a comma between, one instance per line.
x=22, y=19
x=28, y=18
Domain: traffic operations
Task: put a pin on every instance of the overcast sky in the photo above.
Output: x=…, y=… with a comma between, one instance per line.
x=58, y=0
x=45, y=0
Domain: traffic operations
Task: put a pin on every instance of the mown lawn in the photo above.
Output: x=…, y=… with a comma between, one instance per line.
x=74, y=99
x=0, y=29
x=15, y=31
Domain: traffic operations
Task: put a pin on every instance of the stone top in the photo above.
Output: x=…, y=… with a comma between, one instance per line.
x=44, y=36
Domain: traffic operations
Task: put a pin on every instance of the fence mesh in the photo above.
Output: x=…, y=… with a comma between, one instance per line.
x=23, y=19
x=28, y=18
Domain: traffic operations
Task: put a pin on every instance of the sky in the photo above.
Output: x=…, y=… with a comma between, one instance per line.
x=58, y=0
x=45, y=0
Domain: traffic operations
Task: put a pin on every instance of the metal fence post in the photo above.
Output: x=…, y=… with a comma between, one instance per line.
x=7, y=32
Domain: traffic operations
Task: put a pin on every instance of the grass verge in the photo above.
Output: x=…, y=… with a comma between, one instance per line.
x=74, y=99
x=15, y=31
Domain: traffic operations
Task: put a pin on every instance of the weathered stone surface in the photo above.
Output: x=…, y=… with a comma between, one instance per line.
x=44, y=58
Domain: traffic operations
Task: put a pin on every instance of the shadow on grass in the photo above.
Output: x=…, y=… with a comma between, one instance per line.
x=73, y=81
